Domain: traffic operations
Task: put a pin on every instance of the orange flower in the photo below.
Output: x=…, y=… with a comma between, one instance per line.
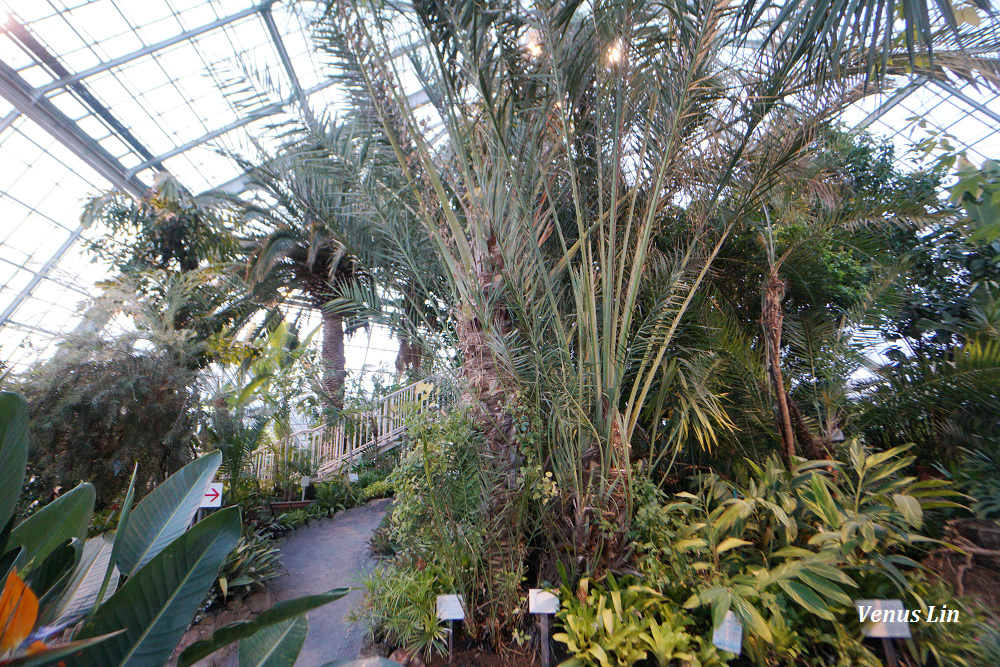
x=18, y=612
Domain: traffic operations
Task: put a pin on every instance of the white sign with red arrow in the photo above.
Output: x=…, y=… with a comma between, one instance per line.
x=213, y=497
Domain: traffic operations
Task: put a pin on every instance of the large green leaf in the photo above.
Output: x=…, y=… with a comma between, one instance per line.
x=807, y=598
x=156, y=605
x=7, y=560
x=13, y=451
x=54, y=655
x=276, y=645
x=66, y=517
x=81, y=591
x=279, y=613
x=49, y=578
x=165, y=513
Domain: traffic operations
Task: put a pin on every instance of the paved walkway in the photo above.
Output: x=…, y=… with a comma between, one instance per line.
x=325, y=555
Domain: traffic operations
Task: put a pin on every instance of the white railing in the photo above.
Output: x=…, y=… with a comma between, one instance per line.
x=354, y=437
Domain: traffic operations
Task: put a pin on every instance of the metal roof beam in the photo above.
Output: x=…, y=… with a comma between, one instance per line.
x=42, y=111
x=894, y=100
x=39, y=276
x=52, y=63
x=147, y=50
x=286, y=61
x=979, y=107
x=264, y=112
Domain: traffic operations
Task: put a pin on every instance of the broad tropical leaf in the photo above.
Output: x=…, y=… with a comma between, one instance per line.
x=158, y=602
x=49, y=578
x=55, y=655
x=165, y=513
x=13, y=450
x=66, y=517
x=279, y=613
x=81, y=592
x=275, y=645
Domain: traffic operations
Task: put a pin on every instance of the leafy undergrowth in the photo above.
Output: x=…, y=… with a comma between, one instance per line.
x=786, y=551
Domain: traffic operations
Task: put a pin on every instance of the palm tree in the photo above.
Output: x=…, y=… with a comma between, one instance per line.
x=570, y=135
x=565, y=138
x=307, y=233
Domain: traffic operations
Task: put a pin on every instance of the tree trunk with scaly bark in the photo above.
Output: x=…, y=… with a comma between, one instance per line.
x=486, y=390
x=772, y=319
x=333, y=359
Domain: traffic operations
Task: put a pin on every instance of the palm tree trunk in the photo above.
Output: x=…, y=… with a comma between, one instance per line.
x=772, y=319
x=333, y=360
x=486, y=391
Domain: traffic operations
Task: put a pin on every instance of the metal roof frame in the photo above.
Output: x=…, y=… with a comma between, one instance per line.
x=33, y=103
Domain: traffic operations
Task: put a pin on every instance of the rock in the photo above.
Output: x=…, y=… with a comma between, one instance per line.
x=259, y=601
x=406, y=659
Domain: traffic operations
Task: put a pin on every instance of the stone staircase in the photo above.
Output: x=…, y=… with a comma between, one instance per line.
x=333, y=449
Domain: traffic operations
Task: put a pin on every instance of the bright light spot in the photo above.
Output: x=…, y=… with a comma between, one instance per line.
x=616, y=52
x=533, y=44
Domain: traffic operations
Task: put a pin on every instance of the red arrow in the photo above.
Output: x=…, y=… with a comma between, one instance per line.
x=212, y=494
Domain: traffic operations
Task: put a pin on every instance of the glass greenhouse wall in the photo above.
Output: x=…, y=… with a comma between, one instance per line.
x=100, y=94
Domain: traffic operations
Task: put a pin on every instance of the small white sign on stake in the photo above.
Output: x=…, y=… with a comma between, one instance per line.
x=450, y=608
x=541, y=601
x=213, y=497
x=883, y=619
x=729, y=635
x=352, y=477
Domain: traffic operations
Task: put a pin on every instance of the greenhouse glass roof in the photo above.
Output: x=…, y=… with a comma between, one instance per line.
x=100, y=94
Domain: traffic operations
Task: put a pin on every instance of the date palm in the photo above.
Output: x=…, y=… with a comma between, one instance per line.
x=570, y=134
x=307, y=233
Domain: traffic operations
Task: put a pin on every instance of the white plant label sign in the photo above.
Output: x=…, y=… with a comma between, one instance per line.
x=450, y=608
x=352, y=477
x=879, y=623
x=541, y=601
x=729, y=635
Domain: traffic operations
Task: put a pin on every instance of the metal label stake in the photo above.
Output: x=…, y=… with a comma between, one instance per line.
x=885, y=620
x=450, y=608
x=543, y=604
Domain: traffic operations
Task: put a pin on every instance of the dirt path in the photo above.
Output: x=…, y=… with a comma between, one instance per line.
x=325, y=555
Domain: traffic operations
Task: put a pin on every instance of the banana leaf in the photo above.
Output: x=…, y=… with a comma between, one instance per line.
x=165, y=513
x=66, y=517
x=13, y=451
x=80, y=594
x=279, y=613
x=156, y=604
x=276, y=645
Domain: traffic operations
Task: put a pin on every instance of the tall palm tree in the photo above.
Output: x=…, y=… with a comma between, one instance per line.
x=307, y=233
x=570, y=133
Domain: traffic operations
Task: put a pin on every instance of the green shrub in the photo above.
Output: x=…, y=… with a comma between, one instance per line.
x=616, y=624
x=401, y=605
x=254, y=561
x=296, y=518
x=335, y=495
x=382, y=488
x=380, y=544
x=438, y=479
x=788, y=551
